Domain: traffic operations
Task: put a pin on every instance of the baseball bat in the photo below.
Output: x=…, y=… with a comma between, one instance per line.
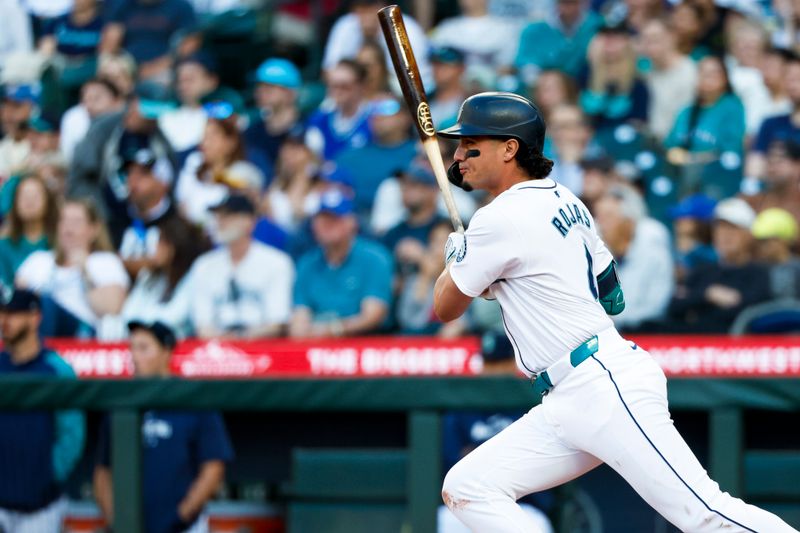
x=405, y=66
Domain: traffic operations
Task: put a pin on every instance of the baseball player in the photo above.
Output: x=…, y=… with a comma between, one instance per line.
x=535, y=249
x=38, y=449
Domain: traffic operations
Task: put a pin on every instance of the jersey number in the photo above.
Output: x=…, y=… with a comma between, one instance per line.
x=590, y=273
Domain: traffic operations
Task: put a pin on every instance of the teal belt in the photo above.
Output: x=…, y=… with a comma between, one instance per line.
x=542, y=382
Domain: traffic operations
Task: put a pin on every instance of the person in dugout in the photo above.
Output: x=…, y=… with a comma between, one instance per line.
x=184, y=452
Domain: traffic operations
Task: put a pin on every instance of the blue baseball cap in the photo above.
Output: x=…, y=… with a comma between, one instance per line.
x=336, y=202
x=23, y=93
x=697, y=206
x=446, y=54
x=336, y=174
x=278, y=71
x=419, y=173
x=385, y=107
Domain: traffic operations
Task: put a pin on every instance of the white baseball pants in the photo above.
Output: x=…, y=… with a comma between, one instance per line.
x=611, y=409
x=46, y=520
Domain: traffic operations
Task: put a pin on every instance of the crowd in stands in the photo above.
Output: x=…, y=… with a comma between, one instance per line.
x=148, y=175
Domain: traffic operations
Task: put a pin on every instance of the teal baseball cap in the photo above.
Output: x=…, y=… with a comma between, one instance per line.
x=153, y=100
x=280, y=72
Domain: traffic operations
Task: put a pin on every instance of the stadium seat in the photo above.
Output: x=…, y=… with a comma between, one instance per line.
x=347, y=490
x=771, y=482
x=777, y=316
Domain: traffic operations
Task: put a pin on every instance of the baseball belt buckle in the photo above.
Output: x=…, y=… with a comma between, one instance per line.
x=541, y=383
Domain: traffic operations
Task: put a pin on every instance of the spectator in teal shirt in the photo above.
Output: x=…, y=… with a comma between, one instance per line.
x=30, y=225
x=559, y=43
x=343, y=286
x=707, y=140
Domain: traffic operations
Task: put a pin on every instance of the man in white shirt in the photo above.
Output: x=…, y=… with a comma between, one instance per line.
x=243, y=289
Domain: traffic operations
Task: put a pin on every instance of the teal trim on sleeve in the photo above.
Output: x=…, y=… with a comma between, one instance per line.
x=70, y=427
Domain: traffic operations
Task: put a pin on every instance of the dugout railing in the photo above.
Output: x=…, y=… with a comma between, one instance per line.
x=423, y=400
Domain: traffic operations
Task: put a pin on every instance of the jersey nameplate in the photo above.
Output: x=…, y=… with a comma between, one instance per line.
x=569, y=215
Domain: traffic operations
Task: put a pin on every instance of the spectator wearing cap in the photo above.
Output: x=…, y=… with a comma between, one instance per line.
x=614, y=93
x=29, y=227
x=344, y=286
x=390, y=149
x=195, y=77
x=641, y=247
x=408, y=240
x=17, y=109
x=691, y=226
x=217, y=169
x=715, y=294
x=342, y=120
x=448, y=72
x=784, y=127
x=43, y=136
x=277, y=84
x=243, y=288
x=780, y=184
x=81, y=280
x=147, y=29
x=706, y=142
x=775, y=231
x=482, y=37
x=184, y=453
x=98, y=97
x=360, y=24
x=96, y=170
x=38, y=449
x=671, y=79
x=558, y=42
x=149, y=181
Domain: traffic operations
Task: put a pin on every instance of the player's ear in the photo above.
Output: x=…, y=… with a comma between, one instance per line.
x=511, y=148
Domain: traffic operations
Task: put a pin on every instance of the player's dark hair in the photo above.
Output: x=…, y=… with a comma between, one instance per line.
x=533, y=162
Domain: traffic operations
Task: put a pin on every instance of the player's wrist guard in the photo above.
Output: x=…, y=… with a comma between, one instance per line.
x=610, y=291
x=456, y=178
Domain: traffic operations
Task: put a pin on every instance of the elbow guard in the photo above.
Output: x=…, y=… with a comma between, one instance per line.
x=610, y=291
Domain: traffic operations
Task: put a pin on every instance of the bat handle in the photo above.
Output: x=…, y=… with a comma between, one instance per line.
x=435, y=157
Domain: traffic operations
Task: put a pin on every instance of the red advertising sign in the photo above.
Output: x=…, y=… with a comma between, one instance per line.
x=682, y=356
x=368, y=356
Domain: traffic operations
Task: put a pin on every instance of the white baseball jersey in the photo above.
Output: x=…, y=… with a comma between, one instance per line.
x=536, y=249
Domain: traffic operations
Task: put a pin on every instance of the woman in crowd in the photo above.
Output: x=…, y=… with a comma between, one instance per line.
x=554, y=88
x=217, y=168
x=30, y=226
x=687, y=22
x=706, y=142
x=372, y=59
x=160, y=292
x=292, y=196
x=614, y=94
x=81, y=280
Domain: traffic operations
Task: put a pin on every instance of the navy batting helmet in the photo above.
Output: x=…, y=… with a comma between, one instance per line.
x=496, y=114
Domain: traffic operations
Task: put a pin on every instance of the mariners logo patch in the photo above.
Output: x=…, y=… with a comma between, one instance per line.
x=424, y=119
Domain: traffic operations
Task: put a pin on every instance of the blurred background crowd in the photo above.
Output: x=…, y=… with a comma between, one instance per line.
x=245, y=169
